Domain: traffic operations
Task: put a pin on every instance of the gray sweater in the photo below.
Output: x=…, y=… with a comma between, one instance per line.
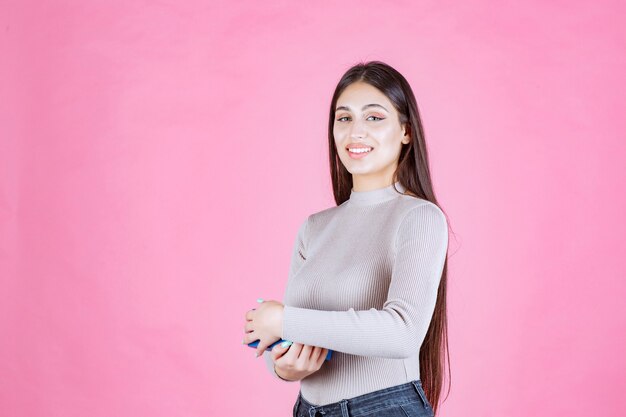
x=363, y=282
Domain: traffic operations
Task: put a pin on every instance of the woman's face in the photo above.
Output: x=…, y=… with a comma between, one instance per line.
x=366, y=119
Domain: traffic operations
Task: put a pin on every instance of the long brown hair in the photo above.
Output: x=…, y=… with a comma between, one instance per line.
x=413, y=172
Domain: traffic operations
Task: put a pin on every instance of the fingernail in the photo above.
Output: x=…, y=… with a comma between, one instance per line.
x=286, y=343
x=256, y=354
x=259, y=300
x=243, y=341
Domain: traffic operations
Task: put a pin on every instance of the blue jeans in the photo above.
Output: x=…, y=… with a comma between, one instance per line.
x=405, y=400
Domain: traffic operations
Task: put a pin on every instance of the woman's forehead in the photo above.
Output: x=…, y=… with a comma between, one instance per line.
x=361, y=97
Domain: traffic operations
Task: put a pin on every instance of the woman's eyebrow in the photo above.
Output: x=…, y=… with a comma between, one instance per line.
x=364, y=107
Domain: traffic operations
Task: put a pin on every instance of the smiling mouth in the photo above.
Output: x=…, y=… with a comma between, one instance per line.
x=359, y=151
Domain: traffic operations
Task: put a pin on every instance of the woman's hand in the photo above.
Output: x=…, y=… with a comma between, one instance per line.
x=297, y=361
x=265, y=324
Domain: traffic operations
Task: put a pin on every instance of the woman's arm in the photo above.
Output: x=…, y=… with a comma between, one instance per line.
x=396, y=331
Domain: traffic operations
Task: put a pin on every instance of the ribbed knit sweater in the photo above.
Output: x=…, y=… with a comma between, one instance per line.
x=363, y=282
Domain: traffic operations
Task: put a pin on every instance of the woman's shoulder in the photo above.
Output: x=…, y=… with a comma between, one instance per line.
x=325, y=213
x=416, y=207
x=411, y=200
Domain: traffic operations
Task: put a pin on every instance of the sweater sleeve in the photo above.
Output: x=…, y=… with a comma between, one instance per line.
x=297, y=259
x=398, y=329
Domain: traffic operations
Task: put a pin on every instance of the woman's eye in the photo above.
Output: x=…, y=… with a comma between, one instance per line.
x=341, y=119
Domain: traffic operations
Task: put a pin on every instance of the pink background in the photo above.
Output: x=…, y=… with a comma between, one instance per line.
x=156, y=159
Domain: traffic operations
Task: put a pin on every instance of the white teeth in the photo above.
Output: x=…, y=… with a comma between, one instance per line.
x=360, y=150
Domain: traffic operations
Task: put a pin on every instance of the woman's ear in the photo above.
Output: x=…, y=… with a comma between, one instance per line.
x=407, y=133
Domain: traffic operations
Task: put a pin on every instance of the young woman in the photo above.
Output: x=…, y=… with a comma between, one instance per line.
x=367, y=278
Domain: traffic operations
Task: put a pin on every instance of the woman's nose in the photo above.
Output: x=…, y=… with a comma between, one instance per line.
x=358, y=130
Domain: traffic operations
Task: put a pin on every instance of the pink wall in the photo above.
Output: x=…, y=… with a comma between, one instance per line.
x=156, y=159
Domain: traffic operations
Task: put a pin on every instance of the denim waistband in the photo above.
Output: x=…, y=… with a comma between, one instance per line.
x=364, y=404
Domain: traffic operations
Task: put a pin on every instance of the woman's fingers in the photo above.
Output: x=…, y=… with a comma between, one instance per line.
x=302, y=355
x=322, y=357
x=263, y=345
x=294, y=352
x=278, y=351
x=315, y=354
x=305, y=354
